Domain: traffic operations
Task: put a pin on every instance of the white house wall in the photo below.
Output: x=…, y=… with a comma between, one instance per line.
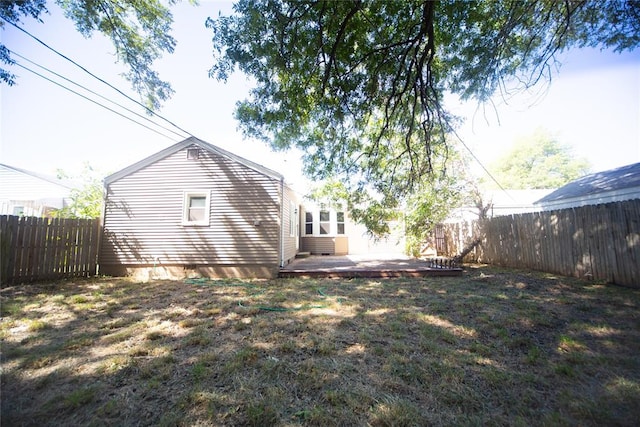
x=35, y=195
x=361, y=243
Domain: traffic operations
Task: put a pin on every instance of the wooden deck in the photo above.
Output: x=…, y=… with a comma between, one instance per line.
x=351, y=266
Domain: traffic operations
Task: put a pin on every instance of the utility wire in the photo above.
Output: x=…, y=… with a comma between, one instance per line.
x=479, y=162
x=95, y=102
x=168, y=121
x=93, y=75
x=453, y=130
x=96, y=94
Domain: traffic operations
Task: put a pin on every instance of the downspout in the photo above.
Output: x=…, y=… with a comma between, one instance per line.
x=281, y=222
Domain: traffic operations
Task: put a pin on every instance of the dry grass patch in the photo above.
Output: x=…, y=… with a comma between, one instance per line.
x=491, y=347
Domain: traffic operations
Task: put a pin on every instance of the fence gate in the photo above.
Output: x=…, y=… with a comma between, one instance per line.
x=441, y=242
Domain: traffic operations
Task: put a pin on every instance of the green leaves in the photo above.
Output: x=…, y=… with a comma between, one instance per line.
x=357, y=85
x=13, y=11
x=139, y=30
x=537, y=162
x=87, y=199
x=140, y=33
x=316, y=66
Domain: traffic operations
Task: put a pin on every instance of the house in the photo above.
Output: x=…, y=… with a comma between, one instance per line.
x=26, y=193
x=327, y=229
x=196, y=209
x=608, y=186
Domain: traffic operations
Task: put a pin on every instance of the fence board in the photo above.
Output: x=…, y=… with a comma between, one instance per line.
x=59, y=245
x=30, y=265
x=40, y=248
x=617, y=246
x=597, y=254
x=576, y=247
x=21, y=231
x=49, y=256
x=633, y=240
x=35, y=251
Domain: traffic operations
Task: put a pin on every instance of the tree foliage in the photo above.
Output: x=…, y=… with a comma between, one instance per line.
x=537, y=162
x=87, y=199
x=138, y=29
x=432, y=199
x=358, y=85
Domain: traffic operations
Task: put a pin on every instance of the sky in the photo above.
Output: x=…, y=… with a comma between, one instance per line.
x=592, y=105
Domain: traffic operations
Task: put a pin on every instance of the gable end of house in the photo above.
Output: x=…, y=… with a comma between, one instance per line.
x=189, y=142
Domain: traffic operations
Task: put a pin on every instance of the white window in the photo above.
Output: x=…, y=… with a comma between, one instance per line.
x=196, y=208
x=340, y=222
x=308, y=225
x=325, y=223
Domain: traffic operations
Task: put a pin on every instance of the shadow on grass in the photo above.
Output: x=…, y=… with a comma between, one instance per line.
x=494, y=346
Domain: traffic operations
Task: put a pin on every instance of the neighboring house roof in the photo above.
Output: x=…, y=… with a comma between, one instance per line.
x=503, y=202
x=51, y=179
x=184, y=144
x=509, y=202
x=612, y=185
x=33, y=194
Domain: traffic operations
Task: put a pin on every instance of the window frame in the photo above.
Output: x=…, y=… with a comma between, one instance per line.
x=324, y=231
x=340, y=223
x=193, y=153
x=308, y=222
x=188, y=195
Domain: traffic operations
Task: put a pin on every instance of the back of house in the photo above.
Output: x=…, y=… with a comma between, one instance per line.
x=195, y=209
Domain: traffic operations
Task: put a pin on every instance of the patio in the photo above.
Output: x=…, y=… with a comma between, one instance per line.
x=368, y=265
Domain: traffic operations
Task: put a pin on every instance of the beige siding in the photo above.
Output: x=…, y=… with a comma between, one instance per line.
x=291, y=209
x=341, y=245
x=318, y=245
x=143, y=216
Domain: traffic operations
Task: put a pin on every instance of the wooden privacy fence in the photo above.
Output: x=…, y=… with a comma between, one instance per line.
x=42, y=248
x=600, y=242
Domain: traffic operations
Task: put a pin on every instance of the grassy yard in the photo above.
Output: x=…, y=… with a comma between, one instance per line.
x=493, y=347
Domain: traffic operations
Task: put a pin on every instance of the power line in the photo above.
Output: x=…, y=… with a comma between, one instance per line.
x=96, y=94
x=93, y=101
x=478, y=160
x=158, y=115
x=93, y=75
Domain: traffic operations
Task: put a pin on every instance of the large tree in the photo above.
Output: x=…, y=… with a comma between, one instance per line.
x=139, y=30
x=358, y=85
x=539, y=161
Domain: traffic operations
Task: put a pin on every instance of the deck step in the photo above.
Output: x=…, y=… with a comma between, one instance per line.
x=303, y=254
